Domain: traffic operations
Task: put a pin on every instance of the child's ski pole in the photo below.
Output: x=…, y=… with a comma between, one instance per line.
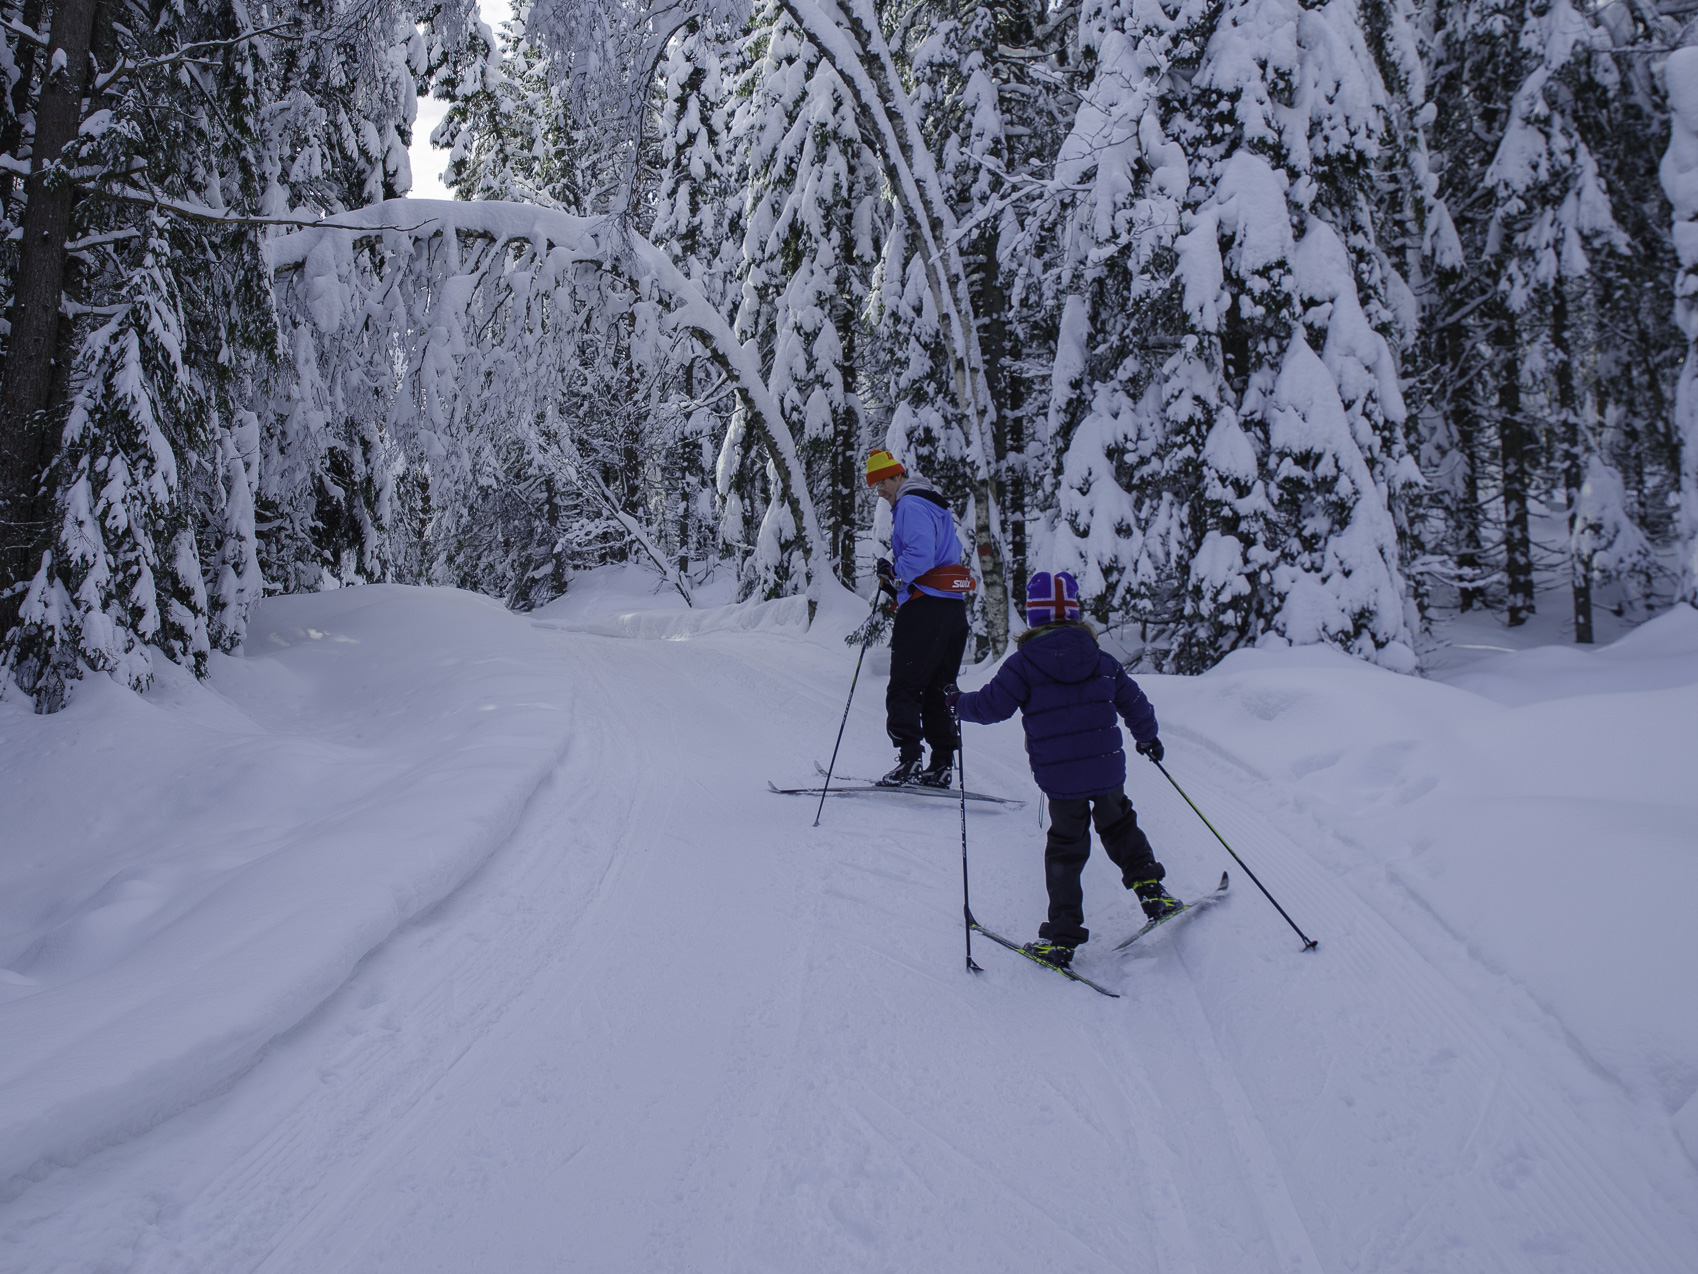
x=966, y=904
x=1309, y=944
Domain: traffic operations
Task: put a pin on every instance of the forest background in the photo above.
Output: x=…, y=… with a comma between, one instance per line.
x=1274, y=322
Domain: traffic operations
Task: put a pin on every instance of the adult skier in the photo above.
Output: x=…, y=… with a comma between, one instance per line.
x=925, y=576
x=1069, y=694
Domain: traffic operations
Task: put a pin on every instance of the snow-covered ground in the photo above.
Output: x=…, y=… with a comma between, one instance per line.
x=432, y=937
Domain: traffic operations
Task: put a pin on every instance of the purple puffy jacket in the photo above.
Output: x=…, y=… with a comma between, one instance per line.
x=1072, y=698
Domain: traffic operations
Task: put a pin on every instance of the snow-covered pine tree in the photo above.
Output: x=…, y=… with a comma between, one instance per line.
x=1638, y=350
x=981, y=77
x=1121, y=484
x=1284, y=286
x=1002, y=85
x=506, y=518
x=808, y=249
x=341, y=98
x=1552, y=214
x=956, y=101
x=20, y=60
x=697, y=222
x=336, y=139
x=1680, y=181
x=151, y=492
x=510, y=132
x=1407, y=212
x=1474, y=70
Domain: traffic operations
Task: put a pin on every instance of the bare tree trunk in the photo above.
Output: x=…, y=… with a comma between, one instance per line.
x=26, y=427
x=1514, y=446
x=1574, y=445
x=1465, y=424
x=846, y=465
x=1007, y=436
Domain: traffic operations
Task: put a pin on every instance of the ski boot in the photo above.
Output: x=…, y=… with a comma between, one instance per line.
x=1158, y=904
x=1050, y=952
x=937, y=774
x=906, y=774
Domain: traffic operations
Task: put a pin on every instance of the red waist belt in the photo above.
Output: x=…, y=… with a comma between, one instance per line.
x=946, y=579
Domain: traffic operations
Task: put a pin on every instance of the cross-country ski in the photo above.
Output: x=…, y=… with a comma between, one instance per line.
x=1066, y=971
x=1190, y=908
x=853, y=788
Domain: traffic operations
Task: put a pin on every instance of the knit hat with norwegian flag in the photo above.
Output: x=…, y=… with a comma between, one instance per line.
x=1051, y=597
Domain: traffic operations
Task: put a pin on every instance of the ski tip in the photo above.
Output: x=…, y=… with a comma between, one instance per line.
x=1221, y=888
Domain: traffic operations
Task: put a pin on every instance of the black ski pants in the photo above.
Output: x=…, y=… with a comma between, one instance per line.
x=1069, y=845
x=926, y=646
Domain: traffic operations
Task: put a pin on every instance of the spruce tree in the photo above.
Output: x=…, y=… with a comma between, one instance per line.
x=807, y=254
x=1287, y=365
x=1680, y=180
x=162, y=360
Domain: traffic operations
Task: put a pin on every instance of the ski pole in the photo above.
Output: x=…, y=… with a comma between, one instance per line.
x=1309, y=944
x=865, y=642
x=966, y=904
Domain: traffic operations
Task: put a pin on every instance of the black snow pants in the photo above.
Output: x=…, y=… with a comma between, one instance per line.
x=1069, y=845
x=926, y=646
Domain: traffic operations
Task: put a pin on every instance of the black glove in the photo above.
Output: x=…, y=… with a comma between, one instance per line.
x=1152, y=748
x=950, y=696
x=887, y=576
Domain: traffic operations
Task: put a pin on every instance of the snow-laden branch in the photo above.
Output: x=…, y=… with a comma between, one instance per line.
x=848, y=33
x=18, y=28
x=126, y=68
x=587, y=480
x=483, y=335
x=694, y=312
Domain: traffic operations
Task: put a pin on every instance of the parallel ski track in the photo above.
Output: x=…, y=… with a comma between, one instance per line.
x=1207, y=1170
x=1562, y=1207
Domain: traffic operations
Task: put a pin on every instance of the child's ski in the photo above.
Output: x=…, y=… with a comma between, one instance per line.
x=1054, y=968
x=1194, y=905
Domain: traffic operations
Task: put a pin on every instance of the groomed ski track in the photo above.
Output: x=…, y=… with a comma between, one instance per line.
x=671, y=1027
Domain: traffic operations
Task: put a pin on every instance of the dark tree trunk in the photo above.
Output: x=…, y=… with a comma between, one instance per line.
x=1465, y=425
x=990, y=301
x=1515, y=448
x=848, y=470
x=1574, y=448
x=26, y=422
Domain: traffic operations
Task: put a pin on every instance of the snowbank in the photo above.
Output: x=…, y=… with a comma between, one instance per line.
x=1540, y=808
x=1488, y=1064
x=191, y=872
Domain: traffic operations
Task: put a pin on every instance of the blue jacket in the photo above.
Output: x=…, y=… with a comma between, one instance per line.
x=1071, y=697
x=922, y=535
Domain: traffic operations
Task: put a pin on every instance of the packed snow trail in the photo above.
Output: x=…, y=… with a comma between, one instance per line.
x=670, y=1026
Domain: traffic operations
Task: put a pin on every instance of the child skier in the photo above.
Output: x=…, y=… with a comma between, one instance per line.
x=1069, y=694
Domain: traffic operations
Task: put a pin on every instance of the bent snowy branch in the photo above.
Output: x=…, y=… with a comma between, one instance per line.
x=447, y=314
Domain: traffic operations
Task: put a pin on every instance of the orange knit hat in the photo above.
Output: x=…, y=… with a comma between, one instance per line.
x=881, y=465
